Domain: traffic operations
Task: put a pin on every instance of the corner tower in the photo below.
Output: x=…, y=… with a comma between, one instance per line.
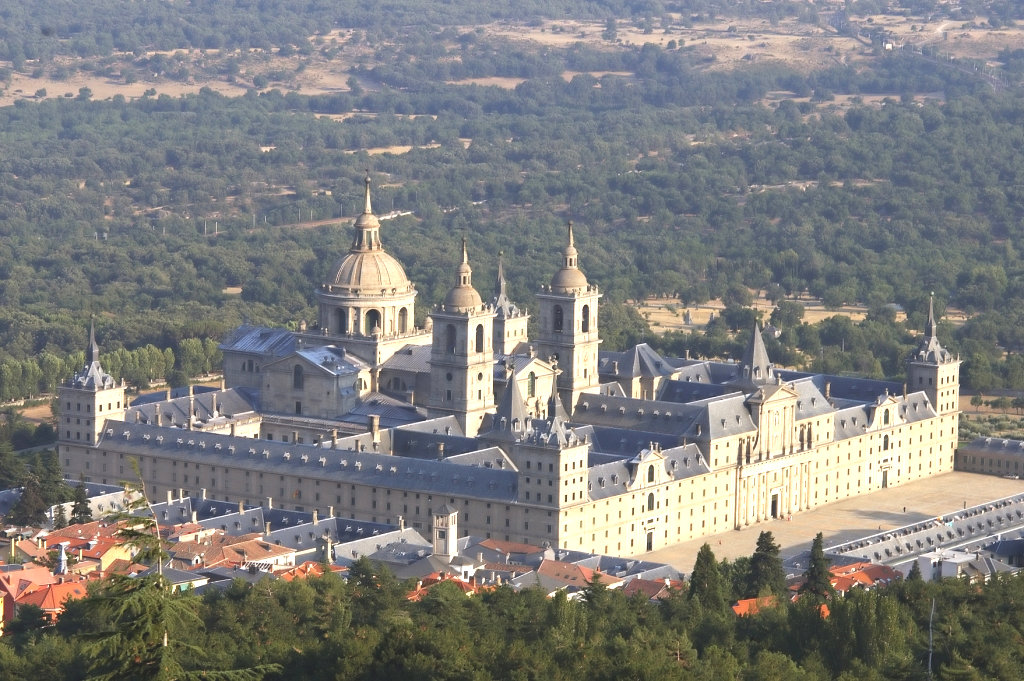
x=569, y=328
x=367, y=302
x=934, y=370
x=88, y=399
x=462, y=355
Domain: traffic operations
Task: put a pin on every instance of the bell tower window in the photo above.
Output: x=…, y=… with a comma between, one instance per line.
x=559, y=320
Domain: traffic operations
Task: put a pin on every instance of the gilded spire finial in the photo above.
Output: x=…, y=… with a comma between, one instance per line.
x=465, y=254
x=570, y=233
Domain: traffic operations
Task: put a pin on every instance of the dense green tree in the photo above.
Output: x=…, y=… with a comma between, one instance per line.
x=706, y=581
x=81, y=511
x=766, y=572
x=818, y=576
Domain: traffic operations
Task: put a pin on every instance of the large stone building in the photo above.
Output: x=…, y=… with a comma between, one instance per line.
x=550, y=441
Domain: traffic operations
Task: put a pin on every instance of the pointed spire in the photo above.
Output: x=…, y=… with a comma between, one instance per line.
x=930, y=326
x=569, y=277
x=367, y=237
x=367, y=208
x=501, y=275
x=755, y=368
x=463, y=296
x=93, y=352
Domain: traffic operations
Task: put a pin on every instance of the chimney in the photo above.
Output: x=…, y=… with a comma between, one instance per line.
x=828, y=390
x=330, y=511
x=375, y=426
x=615, y=367
x=138, y=417
x=202, y=494
x=170, y=496
x=158, y=417
x=270, y=502
x=232, y=429
x=241, y=506
x=213, y=405
x=440, y=451
x=401, y=523
x=266, y=528
x=904, y=391
x=334, y=438
x=480, y=556
x=181, y=494
x=195, y=517
x=222, y=386
x=316, y=517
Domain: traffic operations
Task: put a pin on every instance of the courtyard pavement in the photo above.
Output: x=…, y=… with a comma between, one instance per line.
x=848, y=519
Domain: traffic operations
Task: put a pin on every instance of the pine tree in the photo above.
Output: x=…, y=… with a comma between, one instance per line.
x=60, y=517
x=766, y=572
x=915, y=573
x=706, y=580
x=81, y=512
x=51, y=478
x=818, y=578
x=31, y=507
x=12, y=469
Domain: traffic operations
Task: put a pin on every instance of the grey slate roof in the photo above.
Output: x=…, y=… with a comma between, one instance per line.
x=259, y=340
x=396, y=472
x=609, y=479
x=207, y=406
x=639, y=361
x=411, y=358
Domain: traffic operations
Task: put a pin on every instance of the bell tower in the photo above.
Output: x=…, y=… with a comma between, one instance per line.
x=88, y=399
x=569, y=327
x=462, y=354
x=934, y=370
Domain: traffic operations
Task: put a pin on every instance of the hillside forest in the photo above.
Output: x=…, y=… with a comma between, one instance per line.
x=877, y=178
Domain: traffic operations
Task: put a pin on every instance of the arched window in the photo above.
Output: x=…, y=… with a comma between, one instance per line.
x=885, y=417
x=479, y=338
x=403, y=320
x=298, y=380
x=585, y=319
x=558, y=318
x=341, y=320
x=531, y=385
x=449, y=339
x=372, y=322
x=650, y=501
x=885, y=443
x=650, y=474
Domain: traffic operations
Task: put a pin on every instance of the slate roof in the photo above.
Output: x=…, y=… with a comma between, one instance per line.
x=396, y=472
x=259, y=340
x=639, y=361
x=207, y=406
x=410, y=358
x=607, y=480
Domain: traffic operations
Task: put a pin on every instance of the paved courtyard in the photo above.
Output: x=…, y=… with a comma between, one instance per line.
x=851, y=518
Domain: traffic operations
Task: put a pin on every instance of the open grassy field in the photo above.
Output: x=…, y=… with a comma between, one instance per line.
x=721, y=44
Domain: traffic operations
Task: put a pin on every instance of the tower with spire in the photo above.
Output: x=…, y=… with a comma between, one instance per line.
x=755, y=368
x=462, y=354
x=569, y=326
x=88, y=399
x=933, y=369
x=510, y=320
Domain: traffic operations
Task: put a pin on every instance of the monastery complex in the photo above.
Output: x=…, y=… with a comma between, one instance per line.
x=469, y=427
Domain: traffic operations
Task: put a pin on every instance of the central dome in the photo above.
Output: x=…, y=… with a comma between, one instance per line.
x=368, y=273
x=367, y=270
